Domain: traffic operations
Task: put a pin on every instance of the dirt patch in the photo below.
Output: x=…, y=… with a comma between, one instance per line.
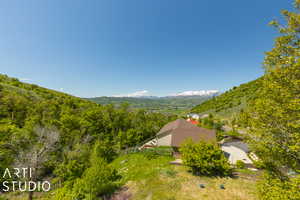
x=122, y=194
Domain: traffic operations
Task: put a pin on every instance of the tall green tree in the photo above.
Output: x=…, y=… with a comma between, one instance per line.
x=274, y=117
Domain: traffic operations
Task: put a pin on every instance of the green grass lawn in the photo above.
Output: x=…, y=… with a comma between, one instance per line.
x=153, y=178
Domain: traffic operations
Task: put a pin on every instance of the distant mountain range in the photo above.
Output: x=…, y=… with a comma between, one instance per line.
x=179, y=103
x=145, y=94
x=196, y=93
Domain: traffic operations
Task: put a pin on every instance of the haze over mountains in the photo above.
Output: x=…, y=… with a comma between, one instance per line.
x=197, y=93
x=147, y=94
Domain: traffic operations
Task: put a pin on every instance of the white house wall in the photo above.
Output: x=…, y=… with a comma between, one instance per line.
x=236, y=154
x=165, y=140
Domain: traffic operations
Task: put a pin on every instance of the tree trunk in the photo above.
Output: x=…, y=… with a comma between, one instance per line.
x=30, y=196
x=32, y=178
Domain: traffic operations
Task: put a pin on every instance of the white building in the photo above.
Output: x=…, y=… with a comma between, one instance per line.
x=193, y=116
x=236, y=150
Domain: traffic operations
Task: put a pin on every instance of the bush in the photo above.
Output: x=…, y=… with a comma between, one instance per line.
x=274, y=188
x=220, y=135
x=259, y=164
x=105, y=150
x=99, y=180
x=234, y=134
x=69, y=171
x=240, y=164
x=205, y=159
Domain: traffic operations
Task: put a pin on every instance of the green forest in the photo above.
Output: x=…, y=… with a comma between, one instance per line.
x=89, y=149
x=65, y=138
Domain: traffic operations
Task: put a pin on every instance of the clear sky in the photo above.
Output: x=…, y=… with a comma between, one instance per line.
x=108, y=47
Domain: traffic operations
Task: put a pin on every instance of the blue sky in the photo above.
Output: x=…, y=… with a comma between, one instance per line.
x=109, y=47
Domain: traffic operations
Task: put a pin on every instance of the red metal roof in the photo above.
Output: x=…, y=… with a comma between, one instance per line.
x=193, y=121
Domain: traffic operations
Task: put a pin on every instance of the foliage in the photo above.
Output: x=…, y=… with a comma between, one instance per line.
x=211, y=122
x=240, y=164
x=208, y=122
x=98, y=180
x=233, y=134
x=79, y=124
x=259, y=164
x=273, y=118
x=205, y=159
x=232, y=100
x=273, y=188
x=69, y=171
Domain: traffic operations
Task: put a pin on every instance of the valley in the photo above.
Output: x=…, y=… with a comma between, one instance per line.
x=169, y=105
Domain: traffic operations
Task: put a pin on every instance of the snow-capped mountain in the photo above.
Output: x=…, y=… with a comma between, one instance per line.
x=196, y=93
x=146, y=94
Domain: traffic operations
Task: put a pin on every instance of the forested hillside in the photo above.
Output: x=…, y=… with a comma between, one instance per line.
x=54, y=133
x=231, y=101
x=173, y=105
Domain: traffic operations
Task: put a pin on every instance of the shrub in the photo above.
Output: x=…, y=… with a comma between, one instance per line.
x=259, y=164
x=220, y=135
x=205, y=159
x=105, y=150
x=99, y=180
x=69, y=171
x=233, y=133
x=240, y=164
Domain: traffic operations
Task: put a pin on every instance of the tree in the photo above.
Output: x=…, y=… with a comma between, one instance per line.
x=205, y=159
x=43, y=142
x=98, y=180
x=274, y=116
x=274, y=188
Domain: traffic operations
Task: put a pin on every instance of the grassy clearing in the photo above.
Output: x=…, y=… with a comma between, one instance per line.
x=156, y=179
